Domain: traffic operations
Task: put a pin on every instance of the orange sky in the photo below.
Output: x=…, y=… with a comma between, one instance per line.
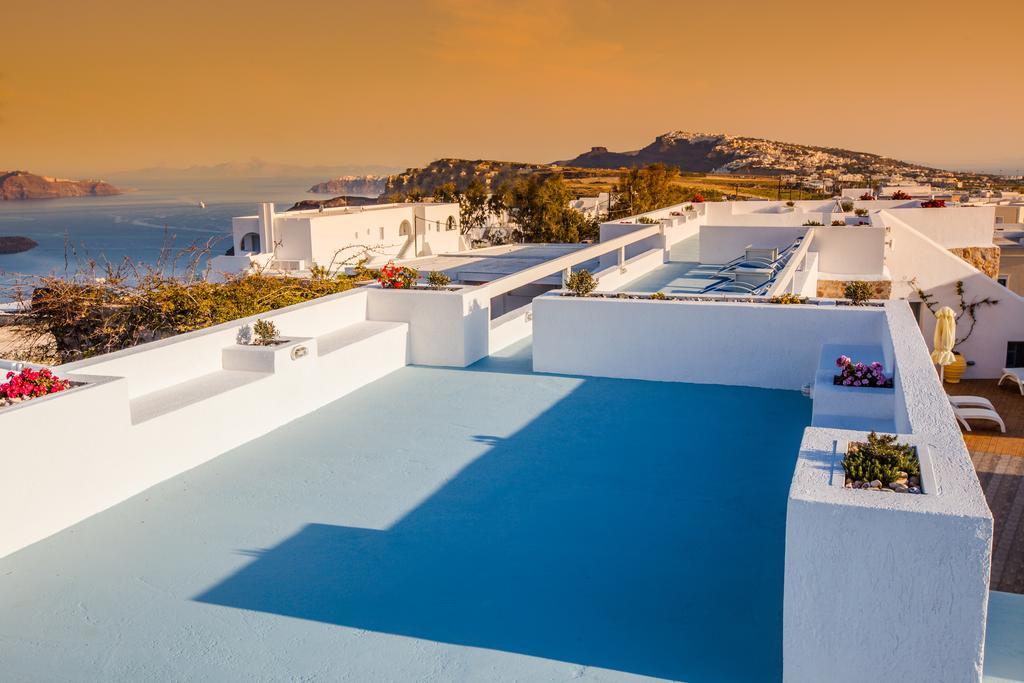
x=90, y=88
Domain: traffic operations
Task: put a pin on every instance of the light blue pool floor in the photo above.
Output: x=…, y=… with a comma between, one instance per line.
x=682, y=274
x=480, y=524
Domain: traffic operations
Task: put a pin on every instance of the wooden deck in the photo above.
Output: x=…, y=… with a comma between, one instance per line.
x=999, y=460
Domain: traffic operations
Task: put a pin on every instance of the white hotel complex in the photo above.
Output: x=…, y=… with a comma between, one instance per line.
x=504, y=480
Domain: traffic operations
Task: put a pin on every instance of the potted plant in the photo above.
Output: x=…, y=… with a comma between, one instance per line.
x=396, y=277
x=838, y=223
x=437, y=280
x=861, y=212
x=934, y=204
x=265, y=333
x=900, y=194
x=858, y=292
x=860, y=374
x=954, y=371
x=882, y=463
x=867, y=197
x=788, y=299
x=581, y=283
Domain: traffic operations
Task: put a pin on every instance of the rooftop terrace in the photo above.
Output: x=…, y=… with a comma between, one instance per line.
x=566, y=535
x=572, y=534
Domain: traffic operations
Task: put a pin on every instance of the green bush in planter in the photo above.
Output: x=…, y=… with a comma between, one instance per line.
x=859, y=293
x=881, y=458
x=581, y=283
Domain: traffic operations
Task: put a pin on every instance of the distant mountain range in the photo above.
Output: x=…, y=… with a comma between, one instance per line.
x=25, y=185
x=254, y=168
x=718, y=153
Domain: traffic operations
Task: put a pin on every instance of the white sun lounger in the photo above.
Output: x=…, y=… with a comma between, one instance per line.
x=965, y=414
x=1015, y=374
x=971, y=402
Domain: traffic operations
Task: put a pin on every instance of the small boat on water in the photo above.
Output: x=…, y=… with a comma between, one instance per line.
x=202, y=205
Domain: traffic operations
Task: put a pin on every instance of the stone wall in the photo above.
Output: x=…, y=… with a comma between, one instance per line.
x=985, y=259
x=833, y=289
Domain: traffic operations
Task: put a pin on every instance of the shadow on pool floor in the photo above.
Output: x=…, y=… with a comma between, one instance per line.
x=614, y=530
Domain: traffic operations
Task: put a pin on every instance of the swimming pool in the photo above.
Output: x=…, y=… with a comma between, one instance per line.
x=681, y=274
x=475, y=524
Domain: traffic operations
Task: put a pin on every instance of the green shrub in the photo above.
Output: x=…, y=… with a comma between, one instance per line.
x=647, y=220
x=581, y=283
x=846, y=206
x=881, y=458
x=787, y=299
x=835, y=223
x=812, y=224
x=861, y=212
x=87, y=318
x=658, y=296
x=438, y=280
x=264, y=332
x=859, y=293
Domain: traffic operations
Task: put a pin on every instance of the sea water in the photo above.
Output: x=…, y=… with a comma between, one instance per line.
x=151, y=216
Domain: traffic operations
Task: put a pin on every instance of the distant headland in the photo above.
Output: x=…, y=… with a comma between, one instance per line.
x=25, y=185
x=16, y=244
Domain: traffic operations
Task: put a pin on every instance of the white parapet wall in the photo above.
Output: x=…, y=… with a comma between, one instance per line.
x=446, y=328
x=886, y=586
x=706, y=342
x=151, y=412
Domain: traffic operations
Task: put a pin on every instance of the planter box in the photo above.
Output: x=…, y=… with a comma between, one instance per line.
x=929, y=486
x=287, y=355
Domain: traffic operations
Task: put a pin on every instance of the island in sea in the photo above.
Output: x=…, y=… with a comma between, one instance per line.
x=15, y=244
x=25, y=185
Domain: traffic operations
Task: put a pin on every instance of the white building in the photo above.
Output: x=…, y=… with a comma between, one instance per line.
x=294, y=241
x=592, y=206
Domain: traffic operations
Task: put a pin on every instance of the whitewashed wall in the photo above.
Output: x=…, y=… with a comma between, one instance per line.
x=952, y=227
x=903, y=577
x=850, y=250
x=722, y=243
x=915, y=256
x=759, y=345
x=445, y=328
x=99, y=457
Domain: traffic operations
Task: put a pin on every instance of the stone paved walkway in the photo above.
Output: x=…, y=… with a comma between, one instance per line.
x=999, y=460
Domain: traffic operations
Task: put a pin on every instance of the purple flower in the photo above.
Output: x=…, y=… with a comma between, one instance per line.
x=856, y=382
x=842, y=361
x=847, y=381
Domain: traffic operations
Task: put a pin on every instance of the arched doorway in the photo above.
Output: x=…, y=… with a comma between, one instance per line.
x=250, y=242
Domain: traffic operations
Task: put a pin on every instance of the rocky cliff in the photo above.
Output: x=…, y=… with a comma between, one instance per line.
x=24, y=185
x=352, y=185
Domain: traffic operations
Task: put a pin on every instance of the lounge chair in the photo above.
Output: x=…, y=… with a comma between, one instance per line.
x=1015, y=374
x=965, y=414
x=776, y=264
x=971, y=402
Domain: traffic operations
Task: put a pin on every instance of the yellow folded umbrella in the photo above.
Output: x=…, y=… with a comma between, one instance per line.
x=945, y=336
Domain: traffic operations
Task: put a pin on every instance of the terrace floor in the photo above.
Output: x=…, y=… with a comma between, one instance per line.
x=439, y=524
x=999, y=460
x=446, y=524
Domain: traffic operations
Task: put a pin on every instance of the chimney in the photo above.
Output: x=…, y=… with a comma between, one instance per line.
x=266, y=227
